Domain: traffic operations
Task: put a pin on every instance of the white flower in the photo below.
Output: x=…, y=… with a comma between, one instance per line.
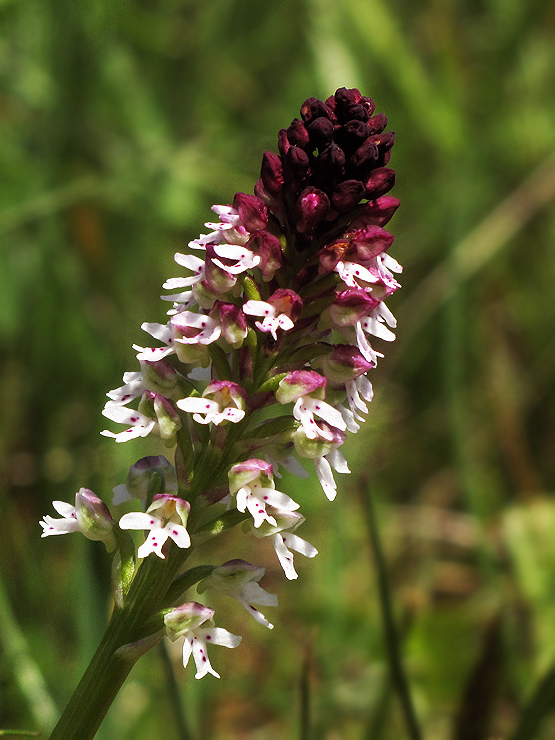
x=307, y=407
x=90, y=516
x=184, y=328
x=239, y=579
x=221, y=401
x=285, y=541
x=168, y=522
x=243, y=258
x=324, y=465
x=273, y=319
x=140, y=425
x=186, y=620
x=252, y=484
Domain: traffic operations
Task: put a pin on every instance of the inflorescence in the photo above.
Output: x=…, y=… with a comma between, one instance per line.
x=263, y=362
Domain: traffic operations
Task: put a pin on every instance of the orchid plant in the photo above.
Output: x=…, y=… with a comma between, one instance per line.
x=261, y=366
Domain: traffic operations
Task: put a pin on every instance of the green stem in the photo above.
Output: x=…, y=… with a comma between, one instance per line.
x=118, y=651
x=392, y=637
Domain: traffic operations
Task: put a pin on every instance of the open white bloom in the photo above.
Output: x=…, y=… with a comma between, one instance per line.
x=273, y=319
x=285, y=541
x=221, y=401
x=307, y=407
x=239, y=579
x=253, y=486
x=90, y=516
x=187, y=620
x=165, y=518
x=140, y=425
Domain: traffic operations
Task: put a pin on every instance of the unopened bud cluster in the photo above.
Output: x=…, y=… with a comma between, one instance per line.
x=263, y=361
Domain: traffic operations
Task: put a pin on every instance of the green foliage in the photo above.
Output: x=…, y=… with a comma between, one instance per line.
x=120, y=124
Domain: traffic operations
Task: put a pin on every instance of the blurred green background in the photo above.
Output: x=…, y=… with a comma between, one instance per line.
x=120, y=124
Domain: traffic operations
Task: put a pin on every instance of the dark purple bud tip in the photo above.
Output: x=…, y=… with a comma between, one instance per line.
x=353, y=134
x=357, y=113
x=367, y=243
x=271, y=173
x=320, y=131
x=297, y=134
x=252, y=211
x=347, y=195
x=379, y=211
x=377, y=123
x=366, y=155
x=296, y=165
x=283, y=142
x=384, y=142
x=313, y=108
x=331, y=162
x=349, y=104
x=380, y=181
x=312, y=206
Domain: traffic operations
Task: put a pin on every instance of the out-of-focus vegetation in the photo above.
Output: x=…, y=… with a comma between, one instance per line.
x=120, y=124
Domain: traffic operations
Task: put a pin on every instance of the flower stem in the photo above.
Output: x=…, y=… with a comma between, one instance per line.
x=392, y=637
x=118, y=651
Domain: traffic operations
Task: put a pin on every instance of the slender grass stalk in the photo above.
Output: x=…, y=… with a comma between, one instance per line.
x=391, y=633
x=541, y=703
x=26, y=673
x=305, y=698
x=183, y=731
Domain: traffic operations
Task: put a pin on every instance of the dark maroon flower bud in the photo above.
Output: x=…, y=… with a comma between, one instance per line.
x=283, y=142
x=313, y=205
x=331, y=163
x=368, y=243
x=297, y=133
x=353, y=134
x=313, y=108
x=366, y=155
x=357, y=113
x=344, y=98
x=296, y=165
x=378, y=211
x=347, y=195
x=252, y=211
x=377, y=123
x=320, y=131
x=271, y=173
x=268, y=248
x=379, y=182
x=384, y=142
x=368, y=103
x=351, y=305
